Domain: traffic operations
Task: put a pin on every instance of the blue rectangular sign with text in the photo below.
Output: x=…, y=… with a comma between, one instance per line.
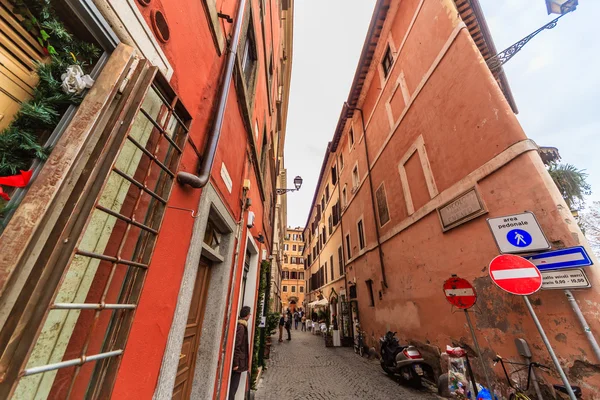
x=571, y=257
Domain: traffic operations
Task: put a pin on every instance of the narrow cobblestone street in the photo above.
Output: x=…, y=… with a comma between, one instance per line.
x=305, y=369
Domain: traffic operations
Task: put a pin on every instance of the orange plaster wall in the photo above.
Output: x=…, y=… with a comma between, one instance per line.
x=465, y=121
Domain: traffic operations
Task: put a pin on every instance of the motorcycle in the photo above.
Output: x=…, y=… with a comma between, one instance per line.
x=405, y=361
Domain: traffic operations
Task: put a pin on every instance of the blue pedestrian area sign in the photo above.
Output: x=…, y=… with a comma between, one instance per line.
x=518, y=233
x=519, y=238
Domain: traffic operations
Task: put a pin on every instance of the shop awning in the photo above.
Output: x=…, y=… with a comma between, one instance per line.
x=322, y=302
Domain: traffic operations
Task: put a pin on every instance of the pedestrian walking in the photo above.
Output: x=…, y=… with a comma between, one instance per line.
x=296, y=319
x=288, y=325
x=241, y=356
x=281, y=324
x=303, y=329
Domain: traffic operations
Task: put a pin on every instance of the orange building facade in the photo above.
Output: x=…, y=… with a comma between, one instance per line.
x=428, y=130
x=127, y=258
x=293, y=285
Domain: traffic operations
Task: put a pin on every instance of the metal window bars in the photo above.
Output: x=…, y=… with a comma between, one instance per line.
x=149, y=225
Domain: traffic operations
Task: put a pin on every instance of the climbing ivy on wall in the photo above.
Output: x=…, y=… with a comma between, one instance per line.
x=22, y=141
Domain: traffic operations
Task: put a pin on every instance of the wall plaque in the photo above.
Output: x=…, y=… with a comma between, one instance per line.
x=461, y=209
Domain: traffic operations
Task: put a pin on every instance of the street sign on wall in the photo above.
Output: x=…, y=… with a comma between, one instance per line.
x=518, y=233
x=460, y=293
x=561, y=259
x=567, y=279
x=515, y=275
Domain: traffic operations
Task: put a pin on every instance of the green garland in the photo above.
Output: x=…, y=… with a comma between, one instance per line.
x=22, y=141
x=259, y=340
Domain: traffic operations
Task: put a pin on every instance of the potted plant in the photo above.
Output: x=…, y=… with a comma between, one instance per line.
x=271, y=327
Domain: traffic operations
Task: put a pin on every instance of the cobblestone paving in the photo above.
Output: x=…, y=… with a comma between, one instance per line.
x=305, y=369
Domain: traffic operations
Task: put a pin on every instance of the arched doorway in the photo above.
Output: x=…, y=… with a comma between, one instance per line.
x=293, y=304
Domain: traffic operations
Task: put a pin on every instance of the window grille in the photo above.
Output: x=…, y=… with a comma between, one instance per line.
x=95, y=301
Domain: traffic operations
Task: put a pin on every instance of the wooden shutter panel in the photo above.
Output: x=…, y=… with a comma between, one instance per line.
x=19, y=51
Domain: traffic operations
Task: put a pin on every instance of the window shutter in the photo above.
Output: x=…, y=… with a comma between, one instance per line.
x=382, y=207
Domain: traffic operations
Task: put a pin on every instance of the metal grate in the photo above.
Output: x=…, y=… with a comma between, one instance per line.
x=150, y=158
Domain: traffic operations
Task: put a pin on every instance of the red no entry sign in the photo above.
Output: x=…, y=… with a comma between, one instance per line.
x=515, y=275
x=460, y=293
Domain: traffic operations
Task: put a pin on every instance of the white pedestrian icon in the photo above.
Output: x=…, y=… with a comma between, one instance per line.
x=519, y=238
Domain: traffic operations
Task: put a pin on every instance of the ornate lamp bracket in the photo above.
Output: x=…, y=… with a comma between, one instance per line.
x=495, y=62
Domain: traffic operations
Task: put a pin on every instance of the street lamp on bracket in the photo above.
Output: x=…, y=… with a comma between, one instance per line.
x=297, y=185
x=561, y=7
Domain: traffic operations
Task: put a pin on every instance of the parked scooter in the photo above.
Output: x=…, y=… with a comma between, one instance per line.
x=403, y=360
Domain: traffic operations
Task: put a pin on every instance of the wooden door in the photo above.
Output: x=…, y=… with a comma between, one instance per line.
x=191, y=338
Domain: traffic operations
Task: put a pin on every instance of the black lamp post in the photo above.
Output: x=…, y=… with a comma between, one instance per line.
x=562, y=7
x=297, y=184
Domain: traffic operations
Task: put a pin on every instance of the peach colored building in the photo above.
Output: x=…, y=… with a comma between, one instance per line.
x=427, y=147
x=293, y=285
x=323, y=252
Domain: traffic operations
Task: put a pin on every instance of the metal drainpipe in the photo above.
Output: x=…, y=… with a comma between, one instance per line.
x=362, y=119
x=213, y=139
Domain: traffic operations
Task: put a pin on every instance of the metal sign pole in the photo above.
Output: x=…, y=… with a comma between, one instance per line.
x=471, y=375
x=584, y=324
x=485, y=372
x=550, y=350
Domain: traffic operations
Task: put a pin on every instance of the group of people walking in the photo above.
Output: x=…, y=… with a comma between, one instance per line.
x=286, y=320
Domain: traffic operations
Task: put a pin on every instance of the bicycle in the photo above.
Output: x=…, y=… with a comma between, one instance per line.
x=520, y=393
x=359, y=345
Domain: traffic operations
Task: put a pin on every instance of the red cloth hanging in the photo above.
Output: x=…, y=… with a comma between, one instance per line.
x=20, y=180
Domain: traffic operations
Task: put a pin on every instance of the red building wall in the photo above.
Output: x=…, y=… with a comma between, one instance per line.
x=196, y=78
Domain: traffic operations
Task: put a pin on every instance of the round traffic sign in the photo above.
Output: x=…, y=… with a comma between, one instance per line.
x=515, y=275
x=460, y=293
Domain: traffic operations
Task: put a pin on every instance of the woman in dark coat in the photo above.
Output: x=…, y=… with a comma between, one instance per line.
x=241, y=356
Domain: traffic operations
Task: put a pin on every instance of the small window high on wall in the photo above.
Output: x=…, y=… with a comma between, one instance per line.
x=382, y=207
x=341, y=260
x=370, y=289
x=348, y=247
x=249, y=55
x=361, y=235
x=387, y=61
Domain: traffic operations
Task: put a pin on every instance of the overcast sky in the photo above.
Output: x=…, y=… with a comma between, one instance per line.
x=554, y=79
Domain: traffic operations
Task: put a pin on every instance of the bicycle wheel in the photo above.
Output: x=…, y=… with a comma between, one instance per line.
x=519, y=396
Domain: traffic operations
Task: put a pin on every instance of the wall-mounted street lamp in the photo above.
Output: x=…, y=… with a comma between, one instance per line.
x=297, y=184
x=561, y=7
